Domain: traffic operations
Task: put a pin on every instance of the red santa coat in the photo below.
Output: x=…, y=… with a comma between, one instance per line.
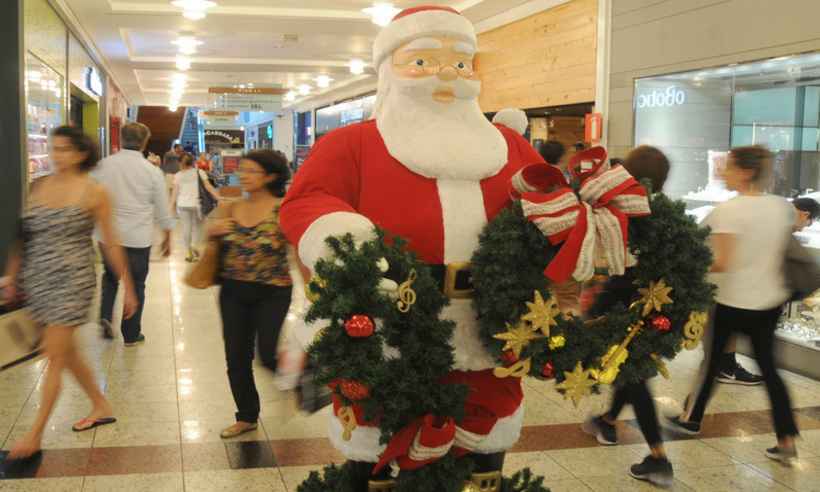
x=351, y=182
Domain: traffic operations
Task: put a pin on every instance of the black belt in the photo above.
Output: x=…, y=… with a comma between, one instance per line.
x=455, y=280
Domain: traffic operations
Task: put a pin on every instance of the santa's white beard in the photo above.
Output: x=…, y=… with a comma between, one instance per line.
x=437, y=140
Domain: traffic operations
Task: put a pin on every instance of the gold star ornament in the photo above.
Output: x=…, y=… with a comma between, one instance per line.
x=517, y=337
x=655, y=297
x=542, y=314
x=577, y=384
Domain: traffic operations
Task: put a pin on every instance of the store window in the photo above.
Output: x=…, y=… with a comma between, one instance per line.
x=45, y=100
x=695, y=117
x=342, y=114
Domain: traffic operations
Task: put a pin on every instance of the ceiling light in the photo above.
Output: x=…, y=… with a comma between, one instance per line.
x=183, y=63
x=173, y=108
x=193, y=9
x=187, y=44
x=304, y=89
x=356, y=66
x=381, y=13
x=290, y=96
x=323, y=81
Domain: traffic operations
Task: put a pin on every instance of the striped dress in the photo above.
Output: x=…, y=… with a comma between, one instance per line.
x=58, y=276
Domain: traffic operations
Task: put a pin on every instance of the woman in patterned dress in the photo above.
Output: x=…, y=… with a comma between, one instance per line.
x=256, y=282
x=53, y=263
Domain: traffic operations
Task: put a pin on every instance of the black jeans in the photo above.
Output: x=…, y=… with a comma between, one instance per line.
x=139, y=259
x=759, y=326
x=638, y=395
x=250, y=311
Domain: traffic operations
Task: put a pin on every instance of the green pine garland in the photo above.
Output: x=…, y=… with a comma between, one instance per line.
x=509, y=264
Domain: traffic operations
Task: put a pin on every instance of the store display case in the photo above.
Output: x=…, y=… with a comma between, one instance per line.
x=45, y=105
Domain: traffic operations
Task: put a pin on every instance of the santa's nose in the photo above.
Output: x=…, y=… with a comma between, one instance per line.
x=448, y=73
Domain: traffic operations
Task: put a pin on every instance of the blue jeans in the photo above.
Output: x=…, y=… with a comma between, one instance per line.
x=138, y=262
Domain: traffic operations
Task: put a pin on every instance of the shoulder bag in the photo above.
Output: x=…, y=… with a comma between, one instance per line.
x=205, y=272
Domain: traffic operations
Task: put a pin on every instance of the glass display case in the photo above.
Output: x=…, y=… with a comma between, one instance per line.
x=45, y=106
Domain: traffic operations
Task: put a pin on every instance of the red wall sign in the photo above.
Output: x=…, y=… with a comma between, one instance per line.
x=593, y=127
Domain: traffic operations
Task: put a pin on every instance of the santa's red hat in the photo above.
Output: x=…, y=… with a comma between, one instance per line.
x=418, y=22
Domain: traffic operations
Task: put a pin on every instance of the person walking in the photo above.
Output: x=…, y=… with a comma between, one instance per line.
x=643, y=163
x=185, y=200
x=256, y=283
x=53, y=263
x=170, y=164
x=749, y=238
x=139, y=200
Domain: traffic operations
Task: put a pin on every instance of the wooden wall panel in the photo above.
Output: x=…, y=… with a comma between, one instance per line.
x=165, y=126
x=547, y=59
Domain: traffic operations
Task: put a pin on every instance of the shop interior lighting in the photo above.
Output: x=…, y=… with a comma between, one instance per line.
x=194, y=9
x=35, y=76
x=187, y=44
x=183, y=62
x=323, y=81
x=304, y=89
x=356, y=66
x=381, y=13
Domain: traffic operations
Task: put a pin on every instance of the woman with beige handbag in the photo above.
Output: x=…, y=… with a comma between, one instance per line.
x=248, y=255
x=53, y=263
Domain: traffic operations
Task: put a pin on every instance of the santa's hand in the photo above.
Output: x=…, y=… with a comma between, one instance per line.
x=389, y=287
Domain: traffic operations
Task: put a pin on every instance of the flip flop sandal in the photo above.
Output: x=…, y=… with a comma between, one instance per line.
x=88, y=424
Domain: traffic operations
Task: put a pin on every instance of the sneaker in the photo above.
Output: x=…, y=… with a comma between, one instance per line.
x=657, y=471
x=785, y=456
x=603, y=431
x=741, y=376
x=140, y=339
x=107, y=332
x=682, y=427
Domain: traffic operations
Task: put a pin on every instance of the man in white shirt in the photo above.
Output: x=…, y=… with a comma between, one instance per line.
x=139, y=196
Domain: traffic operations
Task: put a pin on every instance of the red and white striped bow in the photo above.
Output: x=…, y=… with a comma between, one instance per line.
x=592, y=226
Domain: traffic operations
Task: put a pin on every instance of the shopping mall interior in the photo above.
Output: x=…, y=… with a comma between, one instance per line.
x=411, y=357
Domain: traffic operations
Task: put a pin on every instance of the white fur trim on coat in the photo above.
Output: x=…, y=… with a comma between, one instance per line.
x=364, y=441
x=312, y=245
x=420, y=24
x=512, y=118
x=470, y=353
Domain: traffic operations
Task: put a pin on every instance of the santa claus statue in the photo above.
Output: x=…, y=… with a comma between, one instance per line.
x=429, y=167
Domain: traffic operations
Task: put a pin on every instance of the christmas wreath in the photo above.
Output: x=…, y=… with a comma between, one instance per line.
x=557, y=234
x=383, y=353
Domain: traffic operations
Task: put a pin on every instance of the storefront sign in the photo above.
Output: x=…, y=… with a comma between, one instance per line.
x=661, y=98
x=227, y=136
x=93, y=81
x=217, y=118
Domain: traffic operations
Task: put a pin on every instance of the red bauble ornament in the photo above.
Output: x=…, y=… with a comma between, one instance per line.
x=508, y=357
x=548, y=371
x=661, y=323
x=359, y=326
x=353, y=390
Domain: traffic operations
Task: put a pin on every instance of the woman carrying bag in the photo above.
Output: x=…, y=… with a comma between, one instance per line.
x=248, y=255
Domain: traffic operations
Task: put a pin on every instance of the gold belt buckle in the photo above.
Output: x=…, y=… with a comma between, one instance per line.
x=450, y=277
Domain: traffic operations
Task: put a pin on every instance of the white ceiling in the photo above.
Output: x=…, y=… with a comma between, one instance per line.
x=264, y=42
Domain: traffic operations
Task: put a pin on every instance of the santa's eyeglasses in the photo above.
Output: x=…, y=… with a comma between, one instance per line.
x=433, y=66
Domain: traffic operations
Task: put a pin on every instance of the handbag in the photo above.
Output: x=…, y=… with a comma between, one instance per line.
x=20, y=337
x=205, y=273
x=207, y=203
x=801, y=270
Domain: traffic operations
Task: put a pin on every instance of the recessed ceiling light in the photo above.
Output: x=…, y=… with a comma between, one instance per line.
x=183, y=63
x=381, y=13
x=194, y=9
x=187, y=44
x=356, y=66
x=304, y=89
x=290, y=96
x=323, y=81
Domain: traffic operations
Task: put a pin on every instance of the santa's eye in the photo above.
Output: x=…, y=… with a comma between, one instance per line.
x=461, y=65
x=420, y=62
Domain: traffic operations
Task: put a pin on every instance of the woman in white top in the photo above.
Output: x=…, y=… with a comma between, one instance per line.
x=749, y=238
x=185, y=199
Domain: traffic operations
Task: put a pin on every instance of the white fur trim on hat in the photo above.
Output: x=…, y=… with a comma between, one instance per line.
x=433, y=22
x=512, y=118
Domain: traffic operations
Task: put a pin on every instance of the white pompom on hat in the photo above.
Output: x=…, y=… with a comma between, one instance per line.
x=421, y=21
x=512, y=118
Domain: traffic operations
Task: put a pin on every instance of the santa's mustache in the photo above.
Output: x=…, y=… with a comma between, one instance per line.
x=461, y=88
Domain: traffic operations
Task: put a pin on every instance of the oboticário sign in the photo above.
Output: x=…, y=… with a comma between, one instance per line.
x=661, y=98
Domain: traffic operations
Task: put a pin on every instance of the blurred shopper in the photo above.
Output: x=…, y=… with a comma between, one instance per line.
x=185, y=200
x=749, y=238
x=807, y=210
x=53, y=263
x=170, y=164
x=643, y=163
x=256, y=282
x=203, y=162
x=139, y=199
x=553, y=152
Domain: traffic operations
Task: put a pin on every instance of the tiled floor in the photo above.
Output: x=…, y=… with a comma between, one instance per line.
x=171, y=397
